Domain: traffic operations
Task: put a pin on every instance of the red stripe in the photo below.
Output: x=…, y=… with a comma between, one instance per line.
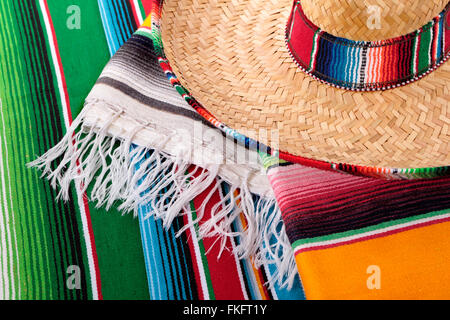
x=379, y=195
x=69, y=113
x=63, y=77
x=335, y=193
x=446, y=31
x=395, y=50
x=195, y=263
x=384, y=56
x=93, y=246
x=224, y=273
x=301, y=35
x=147, y=4
x=435, y=41
x=135, y=12
x=305, y=161
x=383, y=234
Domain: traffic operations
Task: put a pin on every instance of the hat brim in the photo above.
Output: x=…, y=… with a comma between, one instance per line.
x=231, y=56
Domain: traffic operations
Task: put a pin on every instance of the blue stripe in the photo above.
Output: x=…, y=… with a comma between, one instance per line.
x=329, y=58
x=109, y=38
x=164, y=263
x=115, y=23
x=171, y=267
x=146, y=242
x=110, y=23
x=246, y=269
x=171, y=294
x=129, y=18
x=440, y=37
x=185, y=265
x=118, y=9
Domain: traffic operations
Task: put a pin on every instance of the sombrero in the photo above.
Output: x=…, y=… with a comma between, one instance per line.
x=341, y=81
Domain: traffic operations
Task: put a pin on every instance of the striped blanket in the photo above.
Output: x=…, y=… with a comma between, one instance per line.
x=187, y=267
x=134, y=109
x=57, y=250
x=358, y=237
x=213, y=225
x=177, y=265
x=109, y=252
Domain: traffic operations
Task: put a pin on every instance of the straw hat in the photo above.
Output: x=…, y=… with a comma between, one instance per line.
x=232, y=57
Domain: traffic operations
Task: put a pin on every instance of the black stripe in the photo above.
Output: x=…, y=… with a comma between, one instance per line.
x=363, y=66
x=40, y=146
x=265, y=279
x=151, y=102
x=68, y=214
x=55, y=127
x=188, y=274
x=122, y=35
x=130, y=17
x=363, y=215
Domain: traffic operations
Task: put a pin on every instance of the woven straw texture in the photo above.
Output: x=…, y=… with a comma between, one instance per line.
x=232, y=57
x=358, y=19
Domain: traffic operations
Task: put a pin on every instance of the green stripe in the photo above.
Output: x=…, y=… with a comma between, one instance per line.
x=117, y=237
x=424, y=50
x=311, y=58
x=368, y=229
x=46, y=231
x=58, y=212
x=141, y=7
x=203, y=255
x=3, y=85
x=269, y=160
x=12, y=85
x=144, y=34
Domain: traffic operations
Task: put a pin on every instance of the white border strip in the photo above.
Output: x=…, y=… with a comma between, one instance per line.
x=370, y=233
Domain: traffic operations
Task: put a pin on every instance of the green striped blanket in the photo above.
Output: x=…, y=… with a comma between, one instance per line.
x=50, y=61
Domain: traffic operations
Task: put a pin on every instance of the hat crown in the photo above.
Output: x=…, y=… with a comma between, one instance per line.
x=371, y=20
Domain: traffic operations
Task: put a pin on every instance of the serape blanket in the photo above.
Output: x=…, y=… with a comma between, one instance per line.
x=178, y=266
x=71, y=249
x=134, y=109
x=326, y=209
x=378, y=209
x=353, y=236
x=323, y=208
x=58, y=250
x=186, y=267
x=358, y=237
x=113, y=266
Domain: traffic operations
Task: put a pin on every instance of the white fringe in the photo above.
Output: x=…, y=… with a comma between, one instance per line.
x=130, y=176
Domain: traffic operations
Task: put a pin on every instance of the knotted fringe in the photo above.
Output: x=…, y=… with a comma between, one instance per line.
x=119, y=172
